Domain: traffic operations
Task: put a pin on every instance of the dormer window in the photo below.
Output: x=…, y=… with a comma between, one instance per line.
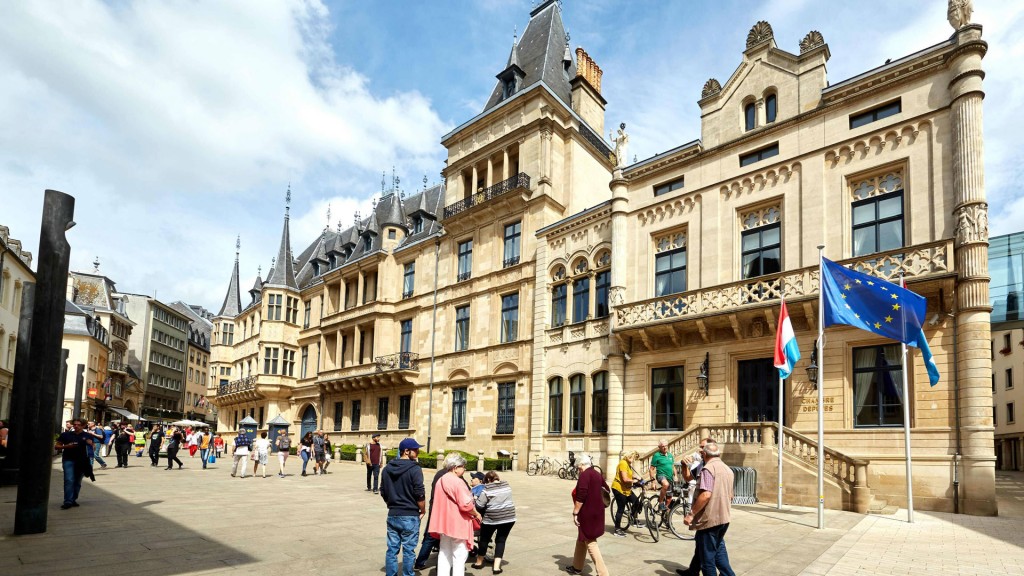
x=508, y=88
x=316, y=268
x=771, y=108
x=367, y=243
x=749, y=116
x=417, y=224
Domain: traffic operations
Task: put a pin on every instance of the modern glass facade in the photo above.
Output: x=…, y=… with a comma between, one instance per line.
x=1006, y=267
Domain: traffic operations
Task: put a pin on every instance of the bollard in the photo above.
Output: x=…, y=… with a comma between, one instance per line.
x=359, y=454
x=515, y=459
x=479, y=460
x=337, y=453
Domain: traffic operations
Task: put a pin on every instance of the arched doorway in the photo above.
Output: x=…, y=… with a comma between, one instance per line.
x=308, y=421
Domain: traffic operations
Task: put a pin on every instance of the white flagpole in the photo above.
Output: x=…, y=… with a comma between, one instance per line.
x=821, y=386
x=781, y=437
x=906, y=420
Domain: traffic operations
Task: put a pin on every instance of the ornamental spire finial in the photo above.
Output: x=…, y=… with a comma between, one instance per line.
x=288, y=200
x=238, y=246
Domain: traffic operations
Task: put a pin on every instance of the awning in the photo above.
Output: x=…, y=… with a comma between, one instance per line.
x=124, y=412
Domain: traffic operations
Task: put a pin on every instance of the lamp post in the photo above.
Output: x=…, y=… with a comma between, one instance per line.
x=812, y=370
x=702, y=378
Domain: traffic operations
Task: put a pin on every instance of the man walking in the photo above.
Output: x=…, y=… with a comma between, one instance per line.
x=402, y=490
x=74, y=446
x=97, y=436
x=711, y=512
x=156, y=438
x=319, y=452
x=371, y=457
x=242, y=445
x=203, y=441
x=284, y=446
x=692, y=467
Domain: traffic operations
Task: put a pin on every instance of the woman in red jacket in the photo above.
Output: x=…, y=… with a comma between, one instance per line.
x=588, y=514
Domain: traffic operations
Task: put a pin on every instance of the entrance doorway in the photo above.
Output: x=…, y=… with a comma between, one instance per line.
x=308, y=422
x=757, y=391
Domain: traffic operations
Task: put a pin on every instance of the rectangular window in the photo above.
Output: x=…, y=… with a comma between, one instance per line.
x=760, y=154
x=875, y=114
x=577, y=403
x=670, y=272
x=878, y=223
x=512, y=237
x=603, y=282
x=261, y=418
x=408, y=279
x=1009, y=413
x=1009, y=378
x=417, y=224
x=506, y=408
x=461, y=328
x=304, y=362
x=292, y=312
x=288, y=363
x=558, y=297
x=877, y=386
x=465, y=260
x=404, y=409
x=458, y=411
x=305, y=314
x=667, y=187
x=274, y=307
x=761, y=251
x=382, y=413
x=580, y=299
x=369, y=288
x=357, y=408
x=270, y=358
x=599, y=411
x=667, y=398
x=510, y=317
x=555, y=405
x=338, y=413
x=405, y=345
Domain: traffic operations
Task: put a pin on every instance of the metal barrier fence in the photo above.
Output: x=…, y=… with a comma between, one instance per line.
x=744, y=485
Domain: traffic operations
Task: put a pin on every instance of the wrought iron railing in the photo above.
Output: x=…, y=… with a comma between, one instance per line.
x=115, y=366
x=510, y=261
x=241, y=385
x=463, y=276
x=595, y=140
x=506, y=422
x=912, y=262
x=400, y=361
x=520, y=181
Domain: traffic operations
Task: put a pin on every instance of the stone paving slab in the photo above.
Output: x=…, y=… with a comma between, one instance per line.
x=196, y=521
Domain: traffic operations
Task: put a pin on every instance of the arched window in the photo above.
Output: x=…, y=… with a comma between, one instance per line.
x=555, y=405
x=771, y=108
x=577, y=402
x=749, y=116
x=599, y=409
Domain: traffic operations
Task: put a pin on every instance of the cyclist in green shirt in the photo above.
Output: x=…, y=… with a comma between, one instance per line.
x=662, y=470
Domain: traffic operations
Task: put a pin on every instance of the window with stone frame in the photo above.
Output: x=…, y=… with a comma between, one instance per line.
x=555, y=405
x=292, y=313
x=877, y=386
x=877, y=205
x=465, y=261
x=771, y=108
x=274, y=306
x=761, y=241
x=404, y=410
x=462, y=328
x=602, y=284
x=580, y=290
x=513, y=234
x=408, y=279
x=458, y=411
x=506, y=408
x=577, y=403
x=288, y=363
x=749, y=116
x=270, y=359
x=667, y=396
x=670, y=264
x=303, y=367
x=559, y=293
x=510, y=317
x=305, y=314
x=338, y=411
x=599, y=396
x=382, y=412
x=357, y=409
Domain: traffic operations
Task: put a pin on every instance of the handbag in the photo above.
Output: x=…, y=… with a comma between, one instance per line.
x=606, y=495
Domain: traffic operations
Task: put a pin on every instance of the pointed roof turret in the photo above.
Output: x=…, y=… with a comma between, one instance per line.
x=283, y=272
x=394, y=214
x=257, y=286
x=372, y=226
x=233, y=300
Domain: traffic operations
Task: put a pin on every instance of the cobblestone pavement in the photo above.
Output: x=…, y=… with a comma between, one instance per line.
x=144, y=520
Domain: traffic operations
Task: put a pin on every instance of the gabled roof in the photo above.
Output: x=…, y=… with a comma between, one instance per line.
x=540, y=53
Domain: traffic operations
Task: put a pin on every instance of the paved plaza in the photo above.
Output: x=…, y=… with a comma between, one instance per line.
x=144, y=520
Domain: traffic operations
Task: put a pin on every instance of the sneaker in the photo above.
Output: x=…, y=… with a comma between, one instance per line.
x=618, y=532
x=374, y=491
x=662, y=507
x=103, y=466
x=572, y=570
x=65, y=506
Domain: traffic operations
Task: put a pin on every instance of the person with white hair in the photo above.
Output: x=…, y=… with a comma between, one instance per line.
x=588, y=515
x=711, y=515
x=452, y=517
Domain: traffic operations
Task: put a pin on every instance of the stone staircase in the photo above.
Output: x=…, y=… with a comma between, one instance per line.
x=754, y=444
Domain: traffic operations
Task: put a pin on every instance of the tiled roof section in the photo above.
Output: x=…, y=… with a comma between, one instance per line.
x=540, y=53
x=93, y=290
x=232, y=300
x=200, y=328
x=394, y=212
x=283, y=273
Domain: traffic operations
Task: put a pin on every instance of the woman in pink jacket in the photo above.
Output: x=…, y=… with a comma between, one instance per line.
x=451, y=517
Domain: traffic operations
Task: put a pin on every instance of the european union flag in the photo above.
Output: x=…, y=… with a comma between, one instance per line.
x=863, y=301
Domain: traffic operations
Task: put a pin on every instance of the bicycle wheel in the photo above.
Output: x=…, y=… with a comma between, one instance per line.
x=614, y=508
x=574, y=473
x=675, y=521
x=531, y=470
x=651, y=517
x=562, y=474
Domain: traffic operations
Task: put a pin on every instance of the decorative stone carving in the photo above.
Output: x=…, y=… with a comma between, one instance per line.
x=669, y=211
x=604, y=259
x=761, y=32
x=877, y=185
x=669, y=242
x=711, y=87
x=621, y=147
x=972, y=224
x=580, y=267
x=558, y=274
x=959, y=13
x=618, y=295
x=811, y=41
x=761, y=216
x=756, y=328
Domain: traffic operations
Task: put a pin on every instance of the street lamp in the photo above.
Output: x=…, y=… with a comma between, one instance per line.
x=702, y=378
x=812, y=370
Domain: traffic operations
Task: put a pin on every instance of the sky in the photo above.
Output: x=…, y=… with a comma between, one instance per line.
x=178, y=125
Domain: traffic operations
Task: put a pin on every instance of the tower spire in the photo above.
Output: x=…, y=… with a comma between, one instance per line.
x=233, y=300
x=283, y=273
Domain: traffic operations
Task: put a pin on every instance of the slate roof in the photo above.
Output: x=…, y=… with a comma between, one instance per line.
x=541, y=53
x=232, y=300
x=78, y=322
x=200, y=329
x=94, y=290
x=283, y=273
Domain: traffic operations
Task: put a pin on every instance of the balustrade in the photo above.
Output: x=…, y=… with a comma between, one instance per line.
x=520, y=181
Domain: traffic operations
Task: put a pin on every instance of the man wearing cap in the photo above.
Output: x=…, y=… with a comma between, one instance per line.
x=372, y=458
x=402, y=489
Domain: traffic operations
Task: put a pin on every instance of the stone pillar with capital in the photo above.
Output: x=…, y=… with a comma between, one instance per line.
x=973, y=308
x=617, y=362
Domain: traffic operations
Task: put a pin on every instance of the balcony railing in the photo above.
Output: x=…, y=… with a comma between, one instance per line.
x=596, y=141
x=463, y=276
x=520, y=181
x=508, y=262
x=912, y=262
x=400, y=361
x=241, y=385
x=114, y=366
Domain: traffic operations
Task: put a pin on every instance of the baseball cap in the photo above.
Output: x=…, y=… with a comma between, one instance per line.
x=377, y=435
x=478, y=475
x=408, y=444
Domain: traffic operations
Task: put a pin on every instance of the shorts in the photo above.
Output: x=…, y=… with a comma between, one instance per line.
x=320, y=456
x=662, y=478
x=262, y=457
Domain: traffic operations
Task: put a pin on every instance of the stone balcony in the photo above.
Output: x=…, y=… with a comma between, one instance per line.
x=388, y=370
x=520, y=181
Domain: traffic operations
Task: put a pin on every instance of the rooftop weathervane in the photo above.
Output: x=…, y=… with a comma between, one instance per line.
x=288, y=200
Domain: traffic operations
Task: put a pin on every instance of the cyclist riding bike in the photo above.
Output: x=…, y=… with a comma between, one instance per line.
x=663, y=471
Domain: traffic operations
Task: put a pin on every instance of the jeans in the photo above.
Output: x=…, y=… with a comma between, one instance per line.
x=94, y=455
x=426, y=548
x=122, y=454
x=451, y=559
x=621, y=501
x=488, y=530
x=172, y=456
x=154, y=456
x=403, y=531
x=72, y=481
x=204, y=453
x=374, y=471
x=305, y=460
x=714, y=558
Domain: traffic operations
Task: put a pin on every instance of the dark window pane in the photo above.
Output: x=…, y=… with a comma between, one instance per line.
x=863, y=213
x=748, y=113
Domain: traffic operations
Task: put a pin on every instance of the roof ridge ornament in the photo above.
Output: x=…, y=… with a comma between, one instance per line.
x=712, y=87
x=811, y=41
x=958, y=13
x=760, y=32
x=238, y=246
x=288, y=200
x=328, y=225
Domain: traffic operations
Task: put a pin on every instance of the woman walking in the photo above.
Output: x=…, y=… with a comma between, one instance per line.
x=588, y=515
x=284, y=445
x=140, y=442
x=122, y=444
x=176, y=440
x=261, y=453
x=498, y=518
x=622, y=489
x=306, y=450
x=452, y=517
x=218, y=445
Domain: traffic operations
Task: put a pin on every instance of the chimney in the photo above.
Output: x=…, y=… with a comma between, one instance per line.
x=586, y=91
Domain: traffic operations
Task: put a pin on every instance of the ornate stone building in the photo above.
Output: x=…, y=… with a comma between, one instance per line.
x=15, y=271
x=584, y=304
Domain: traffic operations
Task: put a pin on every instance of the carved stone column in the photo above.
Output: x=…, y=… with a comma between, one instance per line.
x=545, y=155
x=970, y=217
x=617, y=296
x=504, y=170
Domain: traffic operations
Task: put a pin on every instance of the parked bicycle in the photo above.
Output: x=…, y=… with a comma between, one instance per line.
x=633, y=514
x=569, y=471
x=542, y=465
x=677, y=507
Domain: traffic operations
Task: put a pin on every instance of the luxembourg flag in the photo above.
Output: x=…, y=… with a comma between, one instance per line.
x=787, y=352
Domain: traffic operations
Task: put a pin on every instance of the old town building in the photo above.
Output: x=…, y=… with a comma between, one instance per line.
x=15, y=271
x=157, y=351
x=550, y=297
x=196, y=406
x=88, y=350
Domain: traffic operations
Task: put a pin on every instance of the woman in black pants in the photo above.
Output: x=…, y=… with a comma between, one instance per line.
x=177, y=438
x=622, y=489
x=499, y=516
x=122, y=444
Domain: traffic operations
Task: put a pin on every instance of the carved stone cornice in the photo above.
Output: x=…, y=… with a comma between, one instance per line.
x=668, y=210
x=760, y=180
x=863, y=146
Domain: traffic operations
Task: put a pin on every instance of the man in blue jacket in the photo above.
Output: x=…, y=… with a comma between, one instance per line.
x=402, y=490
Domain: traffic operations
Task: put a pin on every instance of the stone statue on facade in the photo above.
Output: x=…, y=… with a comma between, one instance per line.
x=959, y=13
x=621, y=146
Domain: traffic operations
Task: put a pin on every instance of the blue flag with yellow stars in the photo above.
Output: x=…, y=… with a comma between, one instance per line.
x=869, y=303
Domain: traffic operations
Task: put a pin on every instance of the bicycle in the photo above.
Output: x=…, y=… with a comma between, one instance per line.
x=677, y=507
x=542, y=465
x=569, y=470
x=632, y=513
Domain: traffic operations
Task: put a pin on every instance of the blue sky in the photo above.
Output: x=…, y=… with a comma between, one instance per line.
x=179, y=124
